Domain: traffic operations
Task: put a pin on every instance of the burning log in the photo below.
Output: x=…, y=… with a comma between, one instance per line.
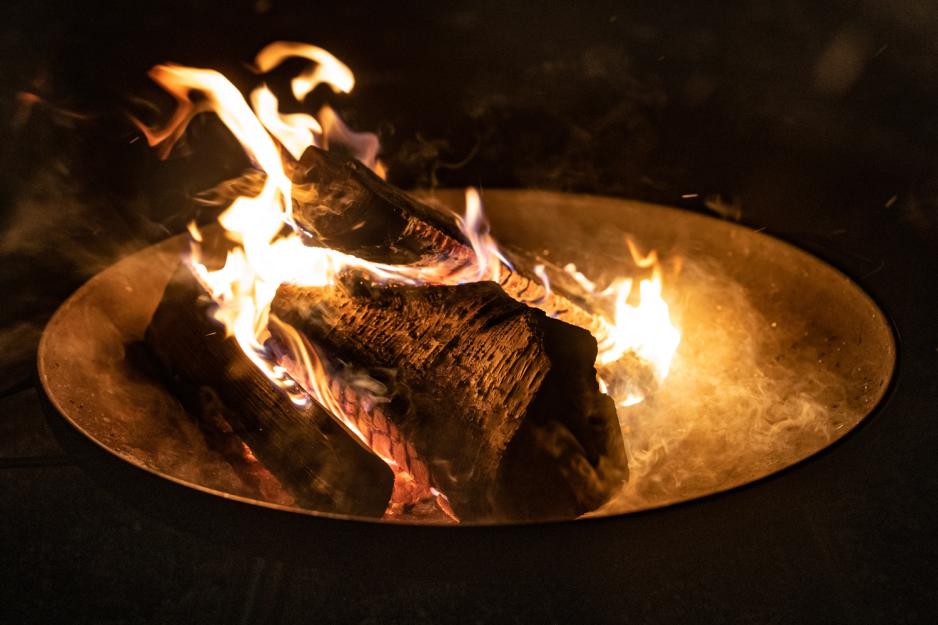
x=532, y=438
x=311, y=455
x=495, y=408
x=340, y=203
x=499, y=401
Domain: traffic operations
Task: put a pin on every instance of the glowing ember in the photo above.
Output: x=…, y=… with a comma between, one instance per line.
x=270, y=252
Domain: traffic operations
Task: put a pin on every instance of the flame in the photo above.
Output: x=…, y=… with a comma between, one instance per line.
x=270, y=252
x=326, y=69
x=641, y=328
x=295, y=132
x=363, y=145
x=644, y=328
x=475, y=227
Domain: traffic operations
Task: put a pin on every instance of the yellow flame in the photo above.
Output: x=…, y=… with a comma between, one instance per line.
x=295, y=132
x=298, y=131
x=326, y=69
x=644, y=328
x=271, y=253
x=475, y=227
x=364, y=146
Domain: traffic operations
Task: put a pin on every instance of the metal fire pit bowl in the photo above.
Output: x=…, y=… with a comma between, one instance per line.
x=90, y=360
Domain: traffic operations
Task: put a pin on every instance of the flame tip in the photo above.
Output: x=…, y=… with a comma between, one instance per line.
x=270, y=251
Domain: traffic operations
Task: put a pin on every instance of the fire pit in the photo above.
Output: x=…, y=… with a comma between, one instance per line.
x=345, y=348
x=781, y=354
x=739, y=110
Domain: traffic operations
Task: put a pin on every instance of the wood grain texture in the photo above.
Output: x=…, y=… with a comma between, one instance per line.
x=497, y=399
x=315, y=460
x=340, y=203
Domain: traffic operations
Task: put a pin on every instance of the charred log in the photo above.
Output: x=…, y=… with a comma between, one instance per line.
x=315, y=460
x=340, y=203
x=498, y=400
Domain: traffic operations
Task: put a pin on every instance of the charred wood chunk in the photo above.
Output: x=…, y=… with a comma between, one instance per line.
x=340, y=203
x=311, y=455
x=499, y=400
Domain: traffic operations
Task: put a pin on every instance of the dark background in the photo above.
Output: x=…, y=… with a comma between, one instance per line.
x=817, y=121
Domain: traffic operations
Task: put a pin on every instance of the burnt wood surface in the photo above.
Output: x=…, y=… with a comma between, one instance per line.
x=341, y=203
x=498, y=400
x=576, y=453
x=318, y=463
x=847, y=537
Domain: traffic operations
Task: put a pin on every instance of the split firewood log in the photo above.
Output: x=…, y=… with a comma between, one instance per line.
x=533, y=439
x=311, y=455
x=498, y=401
x=340, y=203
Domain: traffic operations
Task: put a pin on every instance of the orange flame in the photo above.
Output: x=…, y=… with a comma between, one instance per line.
x=295, y=132
x=475, y=227
x=326, y=69
x=271, y=253
x=363, y=145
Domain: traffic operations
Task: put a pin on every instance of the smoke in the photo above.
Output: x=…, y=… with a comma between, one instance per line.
x=746, y=396
x=57, y=230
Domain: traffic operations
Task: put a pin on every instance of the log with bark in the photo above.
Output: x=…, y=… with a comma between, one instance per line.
x=340, y=203
x=314, y=459
x=499, y=401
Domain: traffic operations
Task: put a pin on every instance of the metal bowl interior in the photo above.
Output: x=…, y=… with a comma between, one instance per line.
x=94, y=375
